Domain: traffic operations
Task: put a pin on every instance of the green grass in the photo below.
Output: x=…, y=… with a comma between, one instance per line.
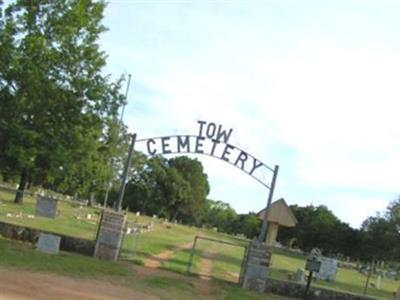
x=231, y=292
x=346, y=280
x=163, y=237
x=66, y=223
x=19, y=255
x=23, y=256
x=226, y=261
x=179, y=262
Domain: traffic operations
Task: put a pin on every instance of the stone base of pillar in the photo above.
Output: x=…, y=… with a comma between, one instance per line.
x=256, y=266
x=110, y=235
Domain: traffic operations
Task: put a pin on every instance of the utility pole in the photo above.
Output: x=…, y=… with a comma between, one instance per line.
x=119, y=130
x=125, y=174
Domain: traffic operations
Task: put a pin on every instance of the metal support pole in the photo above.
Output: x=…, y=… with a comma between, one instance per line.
x=119, y=130
x=264, y=227
x=125, y=174
x=192, y=254
x=126, y=99
x=308, y=285
x=106, y=196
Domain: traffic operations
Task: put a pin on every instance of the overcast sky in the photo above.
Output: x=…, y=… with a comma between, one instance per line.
x=312, y=86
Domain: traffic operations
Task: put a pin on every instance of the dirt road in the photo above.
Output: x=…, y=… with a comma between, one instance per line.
x=156, y=261
x=22, y=285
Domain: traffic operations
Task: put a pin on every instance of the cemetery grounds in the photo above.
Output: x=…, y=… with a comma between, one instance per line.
x=153, y=264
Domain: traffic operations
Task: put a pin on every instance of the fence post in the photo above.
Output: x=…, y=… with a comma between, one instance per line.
x=192, y=254
x=243, y=265
x=369, y=276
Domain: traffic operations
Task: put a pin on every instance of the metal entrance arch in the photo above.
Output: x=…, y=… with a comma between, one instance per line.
x=211, y=140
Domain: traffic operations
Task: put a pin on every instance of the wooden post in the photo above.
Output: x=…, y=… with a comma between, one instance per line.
x=192, y=254
x=308, y=285
x=369, y=276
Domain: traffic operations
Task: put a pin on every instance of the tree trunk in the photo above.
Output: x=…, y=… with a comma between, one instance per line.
x=23, y=182
x=175, y=216
x=92, y=200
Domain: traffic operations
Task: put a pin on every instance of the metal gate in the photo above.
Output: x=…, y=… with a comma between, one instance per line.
x=219, y=259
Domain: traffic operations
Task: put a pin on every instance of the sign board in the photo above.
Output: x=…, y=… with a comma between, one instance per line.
x=48, y=243
x=212, y=140
x=313, y=265
x=46, y=207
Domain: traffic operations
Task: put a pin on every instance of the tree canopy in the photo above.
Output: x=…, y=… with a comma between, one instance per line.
x=57, y=106
x=174, y=188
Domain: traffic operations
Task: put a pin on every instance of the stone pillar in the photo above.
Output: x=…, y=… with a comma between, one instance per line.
x=110, y=235
x=256, y=266
x=272, y=233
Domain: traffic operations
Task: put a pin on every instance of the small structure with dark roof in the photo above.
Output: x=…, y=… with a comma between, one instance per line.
x=279, y=214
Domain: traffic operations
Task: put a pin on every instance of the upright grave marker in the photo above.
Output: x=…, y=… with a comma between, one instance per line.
x=109, y=235
x=328, y=270
x=46, y=207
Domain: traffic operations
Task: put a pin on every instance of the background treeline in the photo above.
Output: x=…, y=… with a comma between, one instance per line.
x=177, y=189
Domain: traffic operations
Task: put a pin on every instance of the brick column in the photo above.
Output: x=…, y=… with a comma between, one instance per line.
x=109, y=235
x=256, y=266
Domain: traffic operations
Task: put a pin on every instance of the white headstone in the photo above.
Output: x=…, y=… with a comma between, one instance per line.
x=299, y=276
x=328, y=270
x=378, y=281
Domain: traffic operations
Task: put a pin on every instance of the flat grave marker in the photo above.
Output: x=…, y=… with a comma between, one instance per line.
x=49, y=243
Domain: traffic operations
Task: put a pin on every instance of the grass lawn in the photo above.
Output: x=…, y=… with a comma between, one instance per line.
x=73, y=221
x=23, y=256
x=66, y=223
x=346, y=280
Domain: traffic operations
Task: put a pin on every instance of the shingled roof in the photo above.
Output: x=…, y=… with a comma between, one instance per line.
x=280, y=213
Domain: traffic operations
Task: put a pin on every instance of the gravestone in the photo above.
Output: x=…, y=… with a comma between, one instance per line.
x=46, y=207
x=378, y=281
x=328, y=270
x=48, y=243
x=256, y=266
x=109, y=235
x=299, y=276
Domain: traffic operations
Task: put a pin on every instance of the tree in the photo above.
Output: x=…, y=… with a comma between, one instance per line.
x=191, y=210
x=247, y=224
x=174, y=188
x=220, y=215
x=55, y=102
x=319, y=227
x=157, y=188
x=380, y=239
